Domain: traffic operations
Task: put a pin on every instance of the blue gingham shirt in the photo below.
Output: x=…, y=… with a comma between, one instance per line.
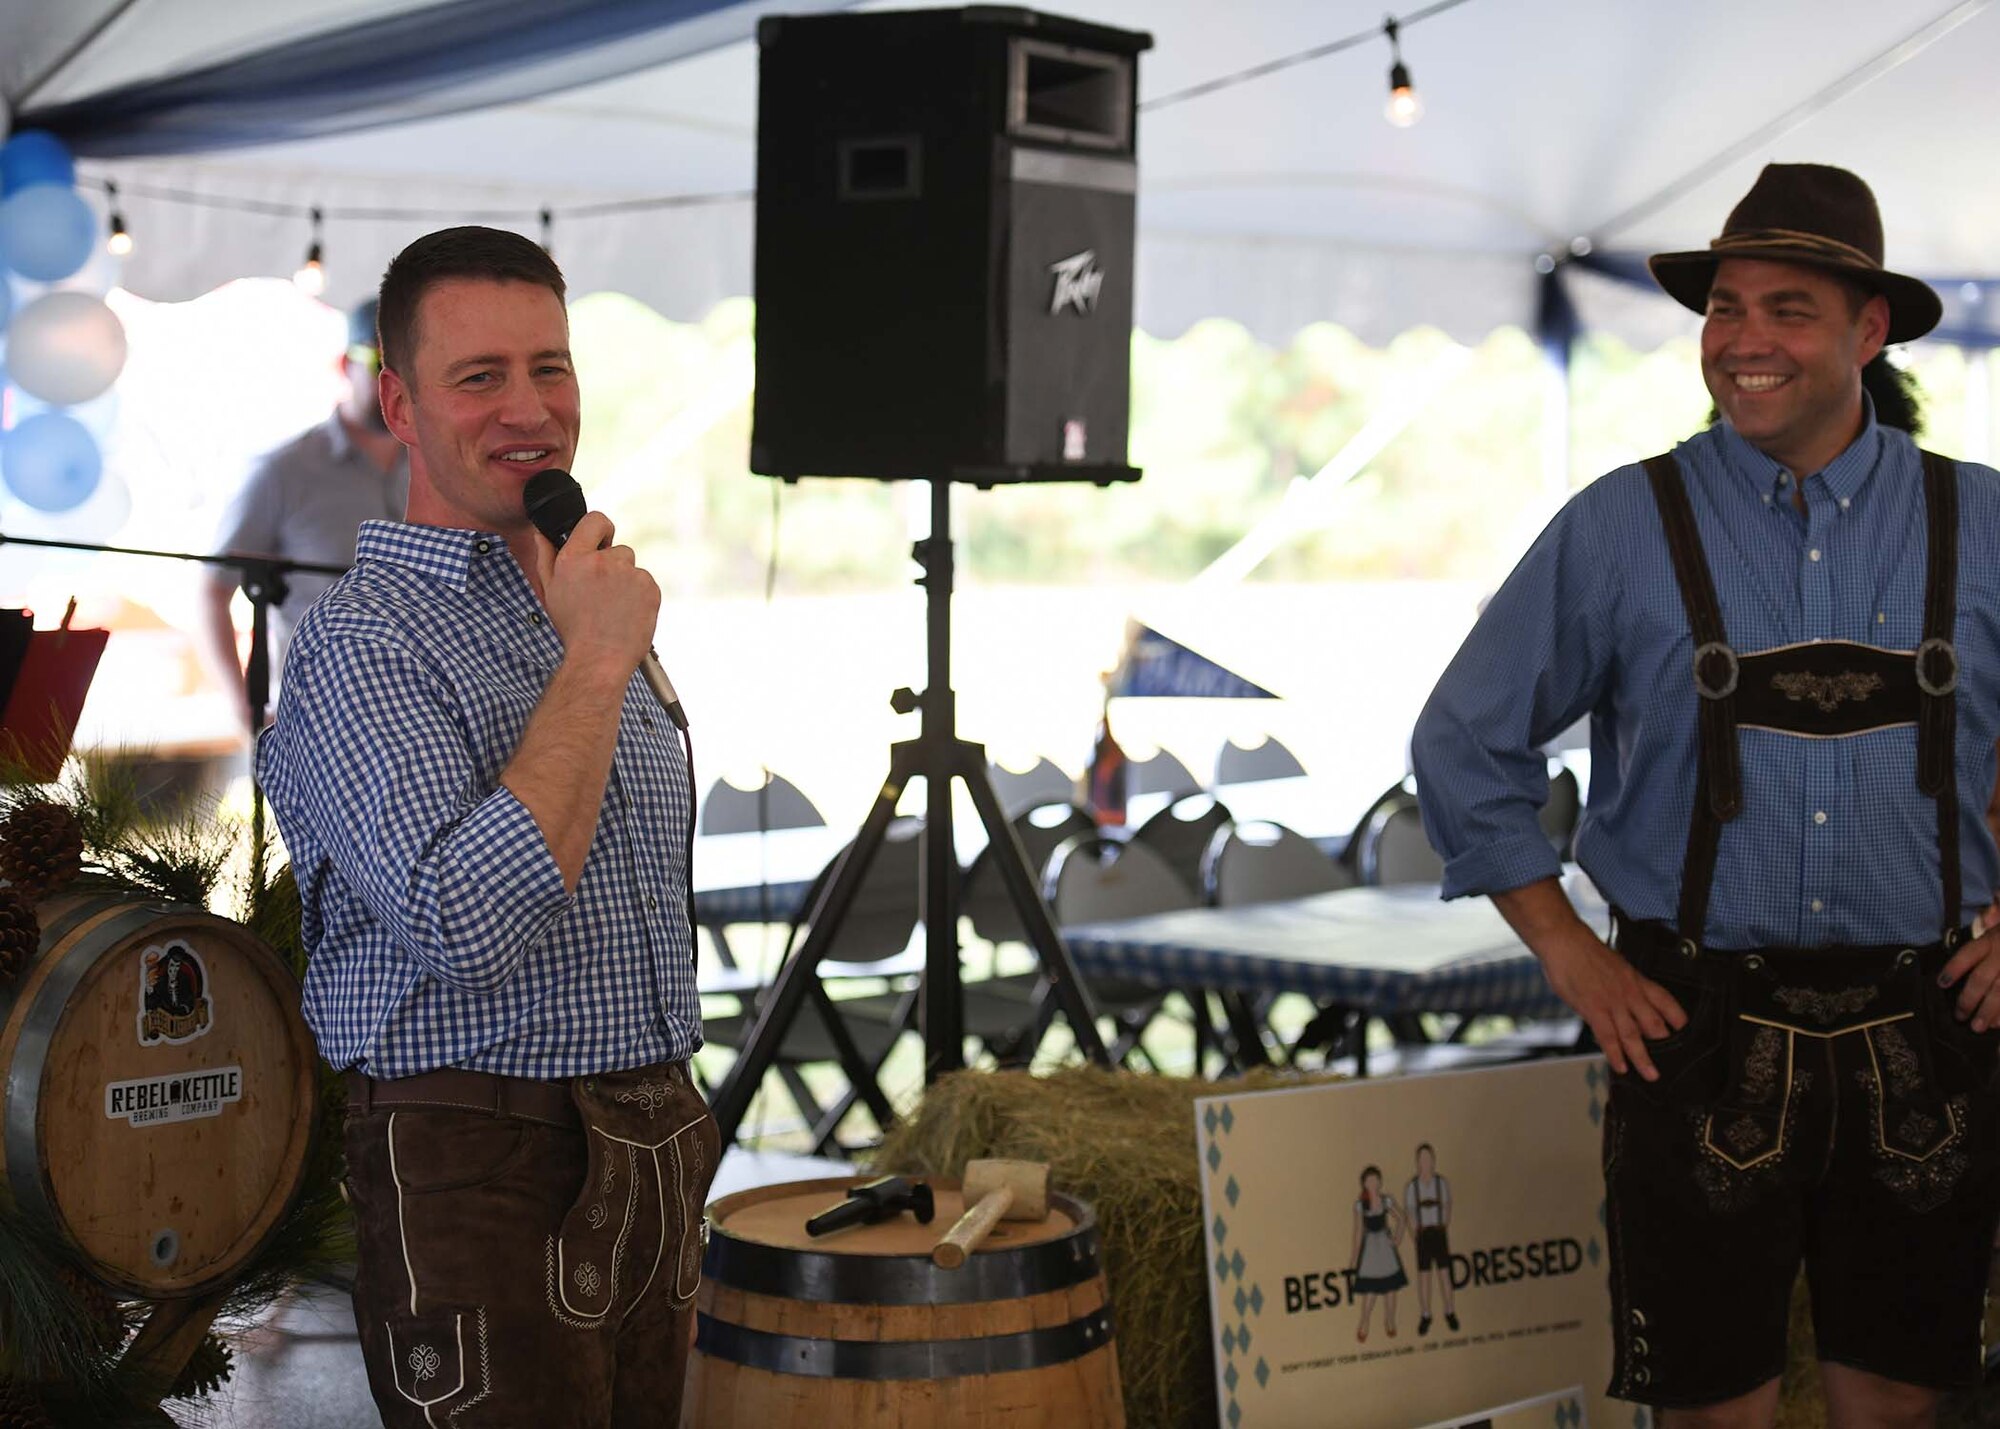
x=1835, y=843
x=439, y=930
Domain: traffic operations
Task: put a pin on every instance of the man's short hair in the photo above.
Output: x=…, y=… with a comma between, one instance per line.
x=493, y=254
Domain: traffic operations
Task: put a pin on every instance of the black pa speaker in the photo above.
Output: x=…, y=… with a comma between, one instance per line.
x=945, y=214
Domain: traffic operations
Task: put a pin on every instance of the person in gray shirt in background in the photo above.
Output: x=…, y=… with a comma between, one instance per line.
x=304, y=501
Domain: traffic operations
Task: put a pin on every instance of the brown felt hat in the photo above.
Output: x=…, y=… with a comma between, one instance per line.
x=1813, y=214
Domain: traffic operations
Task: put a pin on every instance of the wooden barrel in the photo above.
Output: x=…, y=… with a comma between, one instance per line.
x=160, y=1091
x=859, y=1328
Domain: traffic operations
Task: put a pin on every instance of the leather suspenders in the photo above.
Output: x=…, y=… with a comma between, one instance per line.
x=1719, y=674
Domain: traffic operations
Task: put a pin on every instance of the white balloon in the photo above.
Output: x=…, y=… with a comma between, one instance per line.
x=65, y=348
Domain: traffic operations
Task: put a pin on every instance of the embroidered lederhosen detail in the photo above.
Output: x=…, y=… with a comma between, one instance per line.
x=636, y=1213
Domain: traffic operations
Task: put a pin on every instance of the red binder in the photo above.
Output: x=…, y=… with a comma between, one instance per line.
x=45, y=697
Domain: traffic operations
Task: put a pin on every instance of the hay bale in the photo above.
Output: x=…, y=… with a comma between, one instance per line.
x=1126, y=1144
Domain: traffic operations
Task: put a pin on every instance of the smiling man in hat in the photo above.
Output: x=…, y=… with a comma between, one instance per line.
x=1786, y=634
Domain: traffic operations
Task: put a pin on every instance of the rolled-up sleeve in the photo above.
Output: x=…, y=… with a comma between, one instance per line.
x=1537, y=660
x=368, y=751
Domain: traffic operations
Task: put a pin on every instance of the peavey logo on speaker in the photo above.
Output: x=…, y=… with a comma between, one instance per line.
x=183, y=1096
x=173, y=995
x=1077, y=280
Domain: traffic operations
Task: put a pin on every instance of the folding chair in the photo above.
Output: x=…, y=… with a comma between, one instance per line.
x=1235, y=764
x=874, y=942
x=1023, y=789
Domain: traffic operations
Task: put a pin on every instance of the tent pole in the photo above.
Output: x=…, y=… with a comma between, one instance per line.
x=1308, y=499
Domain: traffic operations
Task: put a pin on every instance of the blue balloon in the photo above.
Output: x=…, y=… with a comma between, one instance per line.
x=46, y=232
x=50, y=462
x=6, y=294
x=34, y=156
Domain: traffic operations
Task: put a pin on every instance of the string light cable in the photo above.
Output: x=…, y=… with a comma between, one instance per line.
x=1390, y=27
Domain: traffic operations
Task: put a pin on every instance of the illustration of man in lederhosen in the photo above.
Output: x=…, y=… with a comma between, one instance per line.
x=1427, y=1203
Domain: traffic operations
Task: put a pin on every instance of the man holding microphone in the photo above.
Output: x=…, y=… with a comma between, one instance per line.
x=487, y=811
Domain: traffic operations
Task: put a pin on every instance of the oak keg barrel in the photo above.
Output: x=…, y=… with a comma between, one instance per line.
x=160, y=1091
x=860, y=1328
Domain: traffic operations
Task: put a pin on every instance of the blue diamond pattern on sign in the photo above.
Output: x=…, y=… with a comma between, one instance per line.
x=1596, y=1112
x=1230, y=1377
x=1592, y=1251
x=1214, y=1157
x=1229, y=1342
x=1257, y=1298
x=1242, y=1300
x=1568, y=1415
x=1235, y=1414
x=1221, y=1230
x=1263, y=1374
x=1208, y=1119
x=1232, y=1190
x=1590, y=1076
x=1641, y=1419
x=1221, y=1266
x=1236, y=1264
x=1243, y=1338
x=1228, y=1118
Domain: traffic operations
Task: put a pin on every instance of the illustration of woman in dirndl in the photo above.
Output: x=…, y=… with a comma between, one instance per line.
x=1379, y=1225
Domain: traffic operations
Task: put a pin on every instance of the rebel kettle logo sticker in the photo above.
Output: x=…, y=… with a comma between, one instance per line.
x=1077, y=280
x=173, y=995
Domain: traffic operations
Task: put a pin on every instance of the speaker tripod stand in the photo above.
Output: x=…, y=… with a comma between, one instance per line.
x=937, y=756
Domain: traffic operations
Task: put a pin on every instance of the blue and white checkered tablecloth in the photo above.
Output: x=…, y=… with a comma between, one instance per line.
x=759, y=877
x=1386, y=950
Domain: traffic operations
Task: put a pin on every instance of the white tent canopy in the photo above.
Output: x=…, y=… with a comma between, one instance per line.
x=1285, y=200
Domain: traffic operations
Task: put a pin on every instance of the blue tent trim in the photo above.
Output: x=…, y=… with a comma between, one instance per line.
x=1155, y=665
x=424, y=63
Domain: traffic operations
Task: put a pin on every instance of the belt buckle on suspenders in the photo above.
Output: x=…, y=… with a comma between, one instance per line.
x=1935, y=646
x=1727, y=687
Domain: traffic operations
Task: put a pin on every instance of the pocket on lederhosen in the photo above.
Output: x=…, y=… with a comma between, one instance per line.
x=634, y=1228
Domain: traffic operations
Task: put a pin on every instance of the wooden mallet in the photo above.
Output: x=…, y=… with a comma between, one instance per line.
x=994, y=1191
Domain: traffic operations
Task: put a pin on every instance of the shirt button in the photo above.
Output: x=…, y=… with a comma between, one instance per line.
x=652, y=902
x=646, y=720
x=1845, y=503
x=1813, y=553
x=536, y=618
x=1817, y=906
x=1767, y=498
x=1819, y=816
x=482, y=546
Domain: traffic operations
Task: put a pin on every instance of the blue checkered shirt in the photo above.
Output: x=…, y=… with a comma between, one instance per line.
x=439, y=930
x=1835, y=843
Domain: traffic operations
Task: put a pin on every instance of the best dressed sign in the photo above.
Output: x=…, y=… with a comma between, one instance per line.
x=1392, y=1253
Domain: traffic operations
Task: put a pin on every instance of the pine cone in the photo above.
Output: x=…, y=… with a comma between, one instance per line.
x=100, y=1307
x=41, y=848
x=211, y=1366
x=21, y=1408
x=20, y=938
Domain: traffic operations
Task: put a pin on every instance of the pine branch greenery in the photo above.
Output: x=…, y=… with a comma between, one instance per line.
x=61, y=1333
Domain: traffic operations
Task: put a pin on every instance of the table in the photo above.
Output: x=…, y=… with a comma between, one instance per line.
x=759, y=877
x=1381, y=951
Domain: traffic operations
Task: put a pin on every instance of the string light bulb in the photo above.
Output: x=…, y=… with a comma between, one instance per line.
x=311, y=277
x=1404, y=107
x=119, y=243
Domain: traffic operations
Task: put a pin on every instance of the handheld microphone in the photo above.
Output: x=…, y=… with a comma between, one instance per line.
x=554, y=502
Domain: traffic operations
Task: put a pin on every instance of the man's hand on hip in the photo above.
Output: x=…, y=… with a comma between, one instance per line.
x=1623, y=1008
x=1975, y=970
